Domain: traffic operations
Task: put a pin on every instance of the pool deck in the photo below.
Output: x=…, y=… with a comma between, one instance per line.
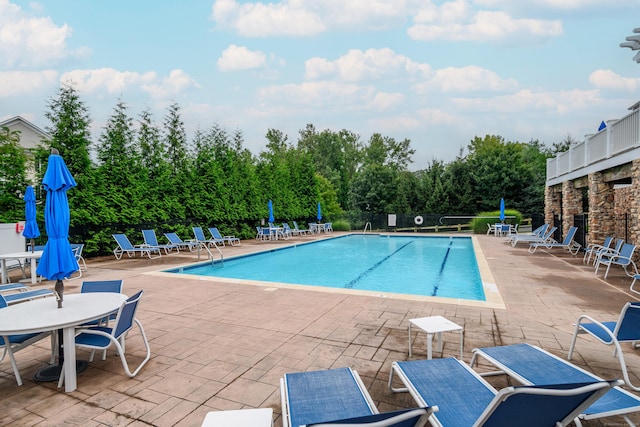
x=218, y=345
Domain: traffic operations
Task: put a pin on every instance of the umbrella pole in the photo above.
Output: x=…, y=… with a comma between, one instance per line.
x=59, y=288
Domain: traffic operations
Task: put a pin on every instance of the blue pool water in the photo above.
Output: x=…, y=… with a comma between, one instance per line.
x=430, y=266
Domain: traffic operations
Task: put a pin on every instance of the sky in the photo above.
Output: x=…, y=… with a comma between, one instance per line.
x=438, y=73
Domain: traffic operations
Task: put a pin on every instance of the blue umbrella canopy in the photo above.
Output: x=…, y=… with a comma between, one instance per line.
x=31, y=230
x=271, y=219
x=319, y=216
x=502, y=210
x=57, y=260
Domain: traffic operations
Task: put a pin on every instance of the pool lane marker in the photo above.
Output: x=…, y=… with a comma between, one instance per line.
x=444, y=261
x=374, y=266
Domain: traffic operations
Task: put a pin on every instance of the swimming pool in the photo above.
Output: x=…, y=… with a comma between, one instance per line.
x=415, y=265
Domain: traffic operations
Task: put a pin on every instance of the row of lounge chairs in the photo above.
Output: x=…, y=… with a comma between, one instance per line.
x=541, y=237
x=450, y=393
x=153, y=249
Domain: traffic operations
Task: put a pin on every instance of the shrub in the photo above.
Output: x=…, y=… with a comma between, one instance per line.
x=341, y=225
x=479, y=224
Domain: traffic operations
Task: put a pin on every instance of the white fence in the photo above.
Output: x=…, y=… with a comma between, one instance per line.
x=619, y=136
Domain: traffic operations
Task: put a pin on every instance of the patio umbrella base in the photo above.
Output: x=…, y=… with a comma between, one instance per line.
x=52, y=372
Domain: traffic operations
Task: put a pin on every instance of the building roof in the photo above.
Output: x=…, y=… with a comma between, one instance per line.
x=21, y=120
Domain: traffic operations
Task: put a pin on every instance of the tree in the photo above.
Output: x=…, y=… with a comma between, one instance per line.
x=12, y=176
x=70, y=135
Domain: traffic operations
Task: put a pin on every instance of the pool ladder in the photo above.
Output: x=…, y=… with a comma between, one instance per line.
x=367, y=225
x=210, y=254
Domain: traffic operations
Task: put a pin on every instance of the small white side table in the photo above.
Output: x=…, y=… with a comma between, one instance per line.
x=260, y=417
x=432, y=325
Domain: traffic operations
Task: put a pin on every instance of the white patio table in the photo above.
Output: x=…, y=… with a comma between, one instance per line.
x=44, y=315
x=20, y=255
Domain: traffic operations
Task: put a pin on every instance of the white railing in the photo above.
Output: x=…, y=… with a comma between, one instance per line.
x=618, y=137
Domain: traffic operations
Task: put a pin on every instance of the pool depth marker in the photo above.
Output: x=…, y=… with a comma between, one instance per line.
x=374, y=266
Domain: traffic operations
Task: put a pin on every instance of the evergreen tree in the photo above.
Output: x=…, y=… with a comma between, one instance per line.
x=12, y=176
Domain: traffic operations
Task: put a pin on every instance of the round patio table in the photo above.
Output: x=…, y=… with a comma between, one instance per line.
x=44, y=315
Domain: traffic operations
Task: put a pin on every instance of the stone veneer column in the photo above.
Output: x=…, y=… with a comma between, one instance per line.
x=552, y=203
x=601, y=209
x=571, y=205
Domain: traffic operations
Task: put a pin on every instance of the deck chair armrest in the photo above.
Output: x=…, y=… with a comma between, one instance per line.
x=600, y=325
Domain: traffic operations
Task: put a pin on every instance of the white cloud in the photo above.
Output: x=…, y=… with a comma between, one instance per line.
x=328, y=94
x=109, y=79
x=16, y=83
x=115, y=82
x=235, y=58
x=28, y=41
x=307, y=17
x=372, y=64
x=458, y=21
x=527, y=100
x=177, y=82
x=466, y=79
x=266, y=19
x=607, y=79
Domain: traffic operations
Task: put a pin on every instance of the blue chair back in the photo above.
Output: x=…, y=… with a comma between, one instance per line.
x=199, y=234
x=123, y=242
x=150, y=237
x=215, y=233
x=627, y=251
x=628, y=326
x=548, y=405
x=102, y=286
x=173, y=238
x=569, y=237
x=126, y=314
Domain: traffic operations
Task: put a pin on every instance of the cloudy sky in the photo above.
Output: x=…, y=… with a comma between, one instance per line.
x=435, y=72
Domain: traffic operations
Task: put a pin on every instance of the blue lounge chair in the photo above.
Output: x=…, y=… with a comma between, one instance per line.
x=151, y=241
x=529, y=364
x=332, y=397
x=625, y=329
x=125, y=247
x=544, y=238
x=538, y=232
x=200, y=238
x=232, y=240
x=174, y=239
x=298, y=230
x=13, y=287
x=28, y=295
x=465, y=399
x=592, y=249
x=568, y=243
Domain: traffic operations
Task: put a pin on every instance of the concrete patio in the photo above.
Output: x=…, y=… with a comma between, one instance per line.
x=219, y=346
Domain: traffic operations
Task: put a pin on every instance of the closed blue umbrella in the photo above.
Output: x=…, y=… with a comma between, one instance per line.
x=57, y=260
x=271, y=219
x=319, y=216
x=502, y=210
x=31, y=230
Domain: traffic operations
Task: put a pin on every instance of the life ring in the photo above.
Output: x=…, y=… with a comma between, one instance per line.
x=418, y=220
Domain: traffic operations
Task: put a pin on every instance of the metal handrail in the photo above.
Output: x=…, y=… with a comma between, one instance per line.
x=206, y=247
x=368, y=224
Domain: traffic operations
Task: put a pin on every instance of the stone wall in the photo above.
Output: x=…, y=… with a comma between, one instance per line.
x=552, y=203
x=571, y=204
x=601, y=208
